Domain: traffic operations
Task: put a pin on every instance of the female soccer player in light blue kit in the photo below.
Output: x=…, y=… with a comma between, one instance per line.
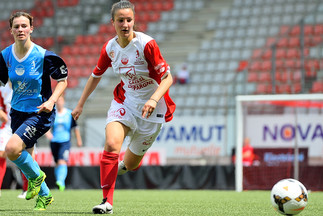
x=60, y=140
x=29, y=67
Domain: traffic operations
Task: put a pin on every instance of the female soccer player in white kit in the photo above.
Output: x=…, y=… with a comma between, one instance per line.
x=5, y=130
x=141, y=101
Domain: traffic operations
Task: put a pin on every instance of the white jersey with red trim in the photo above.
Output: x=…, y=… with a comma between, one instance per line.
x=141, y=68
x=5, y=99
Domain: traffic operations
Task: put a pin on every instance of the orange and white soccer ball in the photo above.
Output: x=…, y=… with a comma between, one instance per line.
x=289, y=196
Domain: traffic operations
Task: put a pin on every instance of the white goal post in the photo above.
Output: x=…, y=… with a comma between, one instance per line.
x=240, y=99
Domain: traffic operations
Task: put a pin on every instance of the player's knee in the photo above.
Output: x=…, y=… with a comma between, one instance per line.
x=113, y=146
x=12, y=152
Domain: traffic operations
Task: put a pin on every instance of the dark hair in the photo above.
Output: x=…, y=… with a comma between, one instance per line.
x=19, y=14
x=123, y=4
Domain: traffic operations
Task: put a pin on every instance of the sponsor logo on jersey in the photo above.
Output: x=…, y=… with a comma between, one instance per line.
x=20, y=70
x=22, y=89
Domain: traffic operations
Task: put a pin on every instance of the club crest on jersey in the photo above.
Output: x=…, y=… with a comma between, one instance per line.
x=139, y=60
x=124, y=59
x=20, y=70
x=33, y=70
x=111, y=54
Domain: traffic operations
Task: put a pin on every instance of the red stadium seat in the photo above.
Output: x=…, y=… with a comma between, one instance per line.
x=90, y=39
x=317, y=87
x=316, y=40
x=75, y=50
x=168, y=5
x=79, y=39
x=66, y=50
x=72, y=82
x=253, y=77
x=95, y=49
x=91, y=61
x=280, y=53
x=267, y=54
x=154, y=16
x=308, y=30
x=265, y=77
x=284, y=30
x=242, y=66
x=263, y=88
x=284, y=88
x=293, y=53
x=266, y=65
x=279, y=64
x=157, y=6
x=282, y=42
x=294, y=42
x=256, y=53
x=255, y=66
x=148, y=6
x=270, y=41
x=297, y=87
x=297, y=75
x=296, y=30
x=84, y=49
x=318, y=30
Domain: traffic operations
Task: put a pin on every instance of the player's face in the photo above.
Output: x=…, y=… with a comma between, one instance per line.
x=21, y=28
x=123, y=23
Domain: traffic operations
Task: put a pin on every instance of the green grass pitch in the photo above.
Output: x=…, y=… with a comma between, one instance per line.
x=157, y=202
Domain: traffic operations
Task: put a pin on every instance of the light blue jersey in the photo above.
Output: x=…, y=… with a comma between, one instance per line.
x=30, y=76
x=63, y=125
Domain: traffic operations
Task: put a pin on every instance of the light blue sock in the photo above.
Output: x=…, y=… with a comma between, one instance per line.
x=26, y=164
x=44, y=190
x=61, y=173
x=56, y=172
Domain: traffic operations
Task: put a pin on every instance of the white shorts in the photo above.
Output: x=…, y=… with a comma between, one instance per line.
x=142, y=133
x=5, y=134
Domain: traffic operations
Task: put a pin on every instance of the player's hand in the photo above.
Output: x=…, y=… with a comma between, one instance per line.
x=77, y=112
x=148, y=108
x=79, y=144
x=3, y=116
x=46, y=107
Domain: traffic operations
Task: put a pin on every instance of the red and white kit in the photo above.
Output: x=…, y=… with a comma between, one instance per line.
x=5, y=129
x=141, y=68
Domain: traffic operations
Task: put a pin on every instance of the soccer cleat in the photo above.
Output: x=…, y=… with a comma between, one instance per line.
x=43, y=201
x=122, y=169
x=61, y=187
x=34, y=185
x=22, y=195
x=103, y=208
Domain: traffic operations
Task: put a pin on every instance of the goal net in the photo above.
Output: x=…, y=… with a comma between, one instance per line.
x=286, y=133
